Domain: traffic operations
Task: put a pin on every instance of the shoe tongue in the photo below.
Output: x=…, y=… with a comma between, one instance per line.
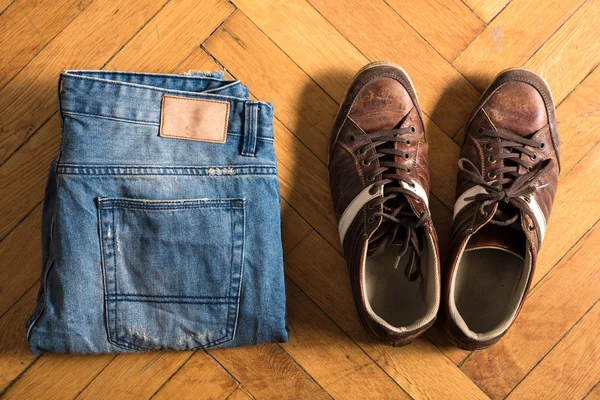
x=510, y=238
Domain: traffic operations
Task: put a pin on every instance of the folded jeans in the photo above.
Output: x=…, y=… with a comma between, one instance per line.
x=161, y=219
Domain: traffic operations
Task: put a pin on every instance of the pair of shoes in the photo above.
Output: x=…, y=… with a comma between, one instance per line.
x=379, y=178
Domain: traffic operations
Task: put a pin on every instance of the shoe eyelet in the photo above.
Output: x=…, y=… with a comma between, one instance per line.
x=533, y=157
x=491, y=175
x=529, y=169
x=408, y=142
x=542, y=146
x=351, y=138
x=371, y=220
x=530, y=228
x=370, y=178
x=412, y=185
x=366, y=163
x=406, y=156
x=413, y=129
x=361, y=151
x=408, y=170
x=491, y=159
x=487, y=146
x=480, y=130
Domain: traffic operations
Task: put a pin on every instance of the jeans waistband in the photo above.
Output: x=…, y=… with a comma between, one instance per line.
x=137, y=97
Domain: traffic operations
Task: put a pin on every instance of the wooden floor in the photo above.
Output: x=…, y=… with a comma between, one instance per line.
x=301, y=54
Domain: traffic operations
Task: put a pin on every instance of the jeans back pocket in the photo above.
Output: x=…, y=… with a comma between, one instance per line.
x=172, y=271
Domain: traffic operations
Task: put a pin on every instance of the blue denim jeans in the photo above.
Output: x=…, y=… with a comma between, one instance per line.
x=153, y=242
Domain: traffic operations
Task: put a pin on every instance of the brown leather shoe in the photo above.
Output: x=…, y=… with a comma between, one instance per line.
x=506, y=184
x=379, y=177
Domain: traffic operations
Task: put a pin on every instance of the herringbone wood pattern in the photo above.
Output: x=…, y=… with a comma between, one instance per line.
x=301, y=54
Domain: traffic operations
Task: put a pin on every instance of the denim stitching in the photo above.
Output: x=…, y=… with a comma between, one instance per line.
x=109, y=204
x=67, y=169
x=239, y=293
x=115, y=272
x=170, y=296
x=117, y=300
x=103, y=269
x=112, y=203
x=250, y=129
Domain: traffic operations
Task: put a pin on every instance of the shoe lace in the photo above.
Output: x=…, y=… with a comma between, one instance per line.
x=512, y=185
x=396, y=211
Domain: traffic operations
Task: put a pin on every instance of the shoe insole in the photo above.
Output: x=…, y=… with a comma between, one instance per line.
x=391, y=295
x=487, y=287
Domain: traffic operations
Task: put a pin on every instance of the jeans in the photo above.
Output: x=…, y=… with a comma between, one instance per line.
x=153, y=241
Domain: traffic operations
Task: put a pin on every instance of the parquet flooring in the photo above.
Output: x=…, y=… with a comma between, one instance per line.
x=301, y=54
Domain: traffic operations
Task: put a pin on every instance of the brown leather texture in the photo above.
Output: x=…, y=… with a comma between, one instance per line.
x=518, y=101
x=194, y=119
x=380, y=97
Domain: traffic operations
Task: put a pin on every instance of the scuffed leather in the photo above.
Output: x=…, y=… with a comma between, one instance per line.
x=518, y=101
x=379, y=97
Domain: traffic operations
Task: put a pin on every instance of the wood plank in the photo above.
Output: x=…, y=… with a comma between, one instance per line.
x=28, y=26
x=309, y=40
x=576, y=200
x=178, y=28
x=571, y=369
x=454, y=354
x=330, y=356
x=442, y=220
x=574, y=47
x=23, y=181
x=20, y=260
x=239, y=394
x=443, y=168
x=520, y=30
x=594, y=394
x=447, y=25
x=58, y=376
x=134, y=376
x=200, y=377
x=304, y=183
x=445, y=95
x=420, y=368
x=578, y=120
x=30, y=98
x=486, y=9
x=4, y=4
x=295, y=229
x=252, y=57
x=553, y=307
x=14, y=350
x=267, y=371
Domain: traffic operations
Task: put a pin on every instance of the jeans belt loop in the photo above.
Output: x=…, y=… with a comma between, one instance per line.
x=250, y=128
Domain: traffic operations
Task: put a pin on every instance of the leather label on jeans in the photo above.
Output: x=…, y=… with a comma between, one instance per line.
x=194, y=119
